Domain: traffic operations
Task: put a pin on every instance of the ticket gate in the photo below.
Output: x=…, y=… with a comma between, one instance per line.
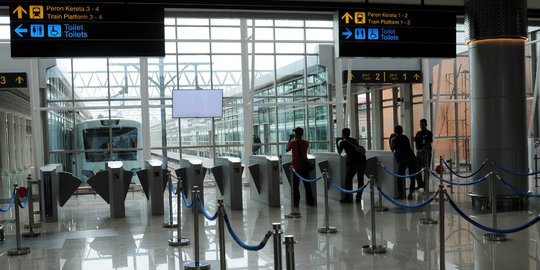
x=337, y=170
x=228, y=174
x=192, y=174
x=153, y=181
x=287, y=161
x=56, y=189
x=112, y=185
x=385, y=181
x=265, y=174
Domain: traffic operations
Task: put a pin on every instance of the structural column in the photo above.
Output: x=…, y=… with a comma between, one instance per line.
x=496, y=35
x=18, y=143
x=24, y=149
x=3, y=144
x=11, y=142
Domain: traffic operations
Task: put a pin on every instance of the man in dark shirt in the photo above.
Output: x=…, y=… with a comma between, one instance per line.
x=356, y=162
x=422, y=142
x=405, y=158
x=299, y=149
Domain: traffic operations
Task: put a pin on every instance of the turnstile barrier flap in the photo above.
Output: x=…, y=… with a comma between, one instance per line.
x=254, y=170
x=182, y=174
x=99, y=182
x=217, y=171
x=143, y=178
x=287, y=169
x=324, y=165
x=371, y=166
x=127, y=181
x=67, y=185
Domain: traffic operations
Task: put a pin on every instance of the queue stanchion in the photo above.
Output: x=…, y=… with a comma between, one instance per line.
x=380, y=207
x=442, y=264
x=493, y=199
x=179, y=241
x=2, y=233
x=289, y=252
x=30, y=204
x=221, y=235
x=19, y=250
x=170, y=224
x=451, y=177
x=293, y=213
x=428, y=220
x=197, y=264
x=536, y=170
x=277, y=245
x=327, y=228
x=373, y=248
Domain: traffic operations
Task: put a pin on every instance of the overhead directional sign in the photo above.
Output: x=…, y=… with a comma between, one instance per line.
x=384, y=76
x=13, y=80
x=396, y=33
x=86, y=29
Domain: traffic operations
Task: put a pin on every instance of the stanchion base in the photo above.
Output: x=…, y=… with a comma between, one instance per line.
x=200, y=265
x=169, y=225
x=17, y=252
x=329, y=229
x=293, y=215
x=31, y=234
x=428, y=221
x=370, y=249
x=495, y=237
x=381, y=208
x=175, y=242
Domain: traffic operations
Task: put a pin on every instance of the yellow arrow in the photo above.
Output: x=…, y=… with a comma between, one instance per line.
x=347, y=17
x=20, y=12
x=19, y=80
x=416, y=76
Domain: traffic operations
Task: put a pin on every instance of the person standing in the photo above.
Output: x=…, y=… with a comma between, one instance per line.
x=405, y=158
x=356, y=162
x=299, y=148
x=422, y=142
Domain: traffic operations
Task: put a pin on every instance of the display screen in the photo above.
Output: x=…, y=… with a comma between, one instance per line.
x=197, y=103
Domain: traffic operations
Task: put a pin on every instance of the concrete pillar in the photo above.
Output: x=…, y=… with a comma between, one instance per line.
x=11, y=143
x=18, y=143
x=377, y=120
x=407, y=110
x=497, y=31
x=4, y=153
x=26, y=142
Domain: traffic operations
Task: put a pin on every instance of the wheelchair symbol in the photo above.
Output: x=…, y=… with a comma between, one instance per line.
x=373, y=33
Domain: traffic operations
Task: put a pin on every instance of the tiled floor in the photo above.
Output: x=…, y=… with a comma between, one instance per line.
x=86, y=238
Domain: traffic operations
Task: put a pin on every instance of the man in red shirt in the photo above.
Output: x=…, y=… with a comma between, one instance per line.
x=299, y=149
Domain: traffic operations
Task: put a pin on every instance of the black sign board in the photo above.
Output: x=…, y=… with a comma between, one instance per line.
x=396, y=33
x=384, y=76
x=13, y=80
x=86, y=29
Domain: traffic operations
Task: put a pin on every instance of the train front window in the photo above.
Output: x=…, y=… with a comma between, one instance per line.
x=123, y=138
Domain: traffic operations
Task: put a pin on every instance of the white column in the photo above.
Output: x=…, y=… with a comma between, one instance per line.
x=145, y=110
x=339, y=96
x=377, y=119
x=18, y=143
x=25, y=141
x=3, y=145
x=37, y=128
x=11, y=142
x=246, y=98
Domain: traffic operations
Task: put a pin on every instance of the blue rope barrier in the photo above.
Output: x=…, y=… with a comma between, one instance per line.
x=465, y=176
x=203, y=211
x=346, y=190
x=244, y=245
x=490, y=229
x=458, y=183
x=10, y=204
x=410, y=206
x=519, y=192
x=186, y=203
x=514, y=173
x=402, y=176
x=307, y=180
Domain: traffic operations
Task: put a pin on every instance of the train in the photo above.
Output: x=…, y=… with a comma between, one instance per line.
x=108, y=140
